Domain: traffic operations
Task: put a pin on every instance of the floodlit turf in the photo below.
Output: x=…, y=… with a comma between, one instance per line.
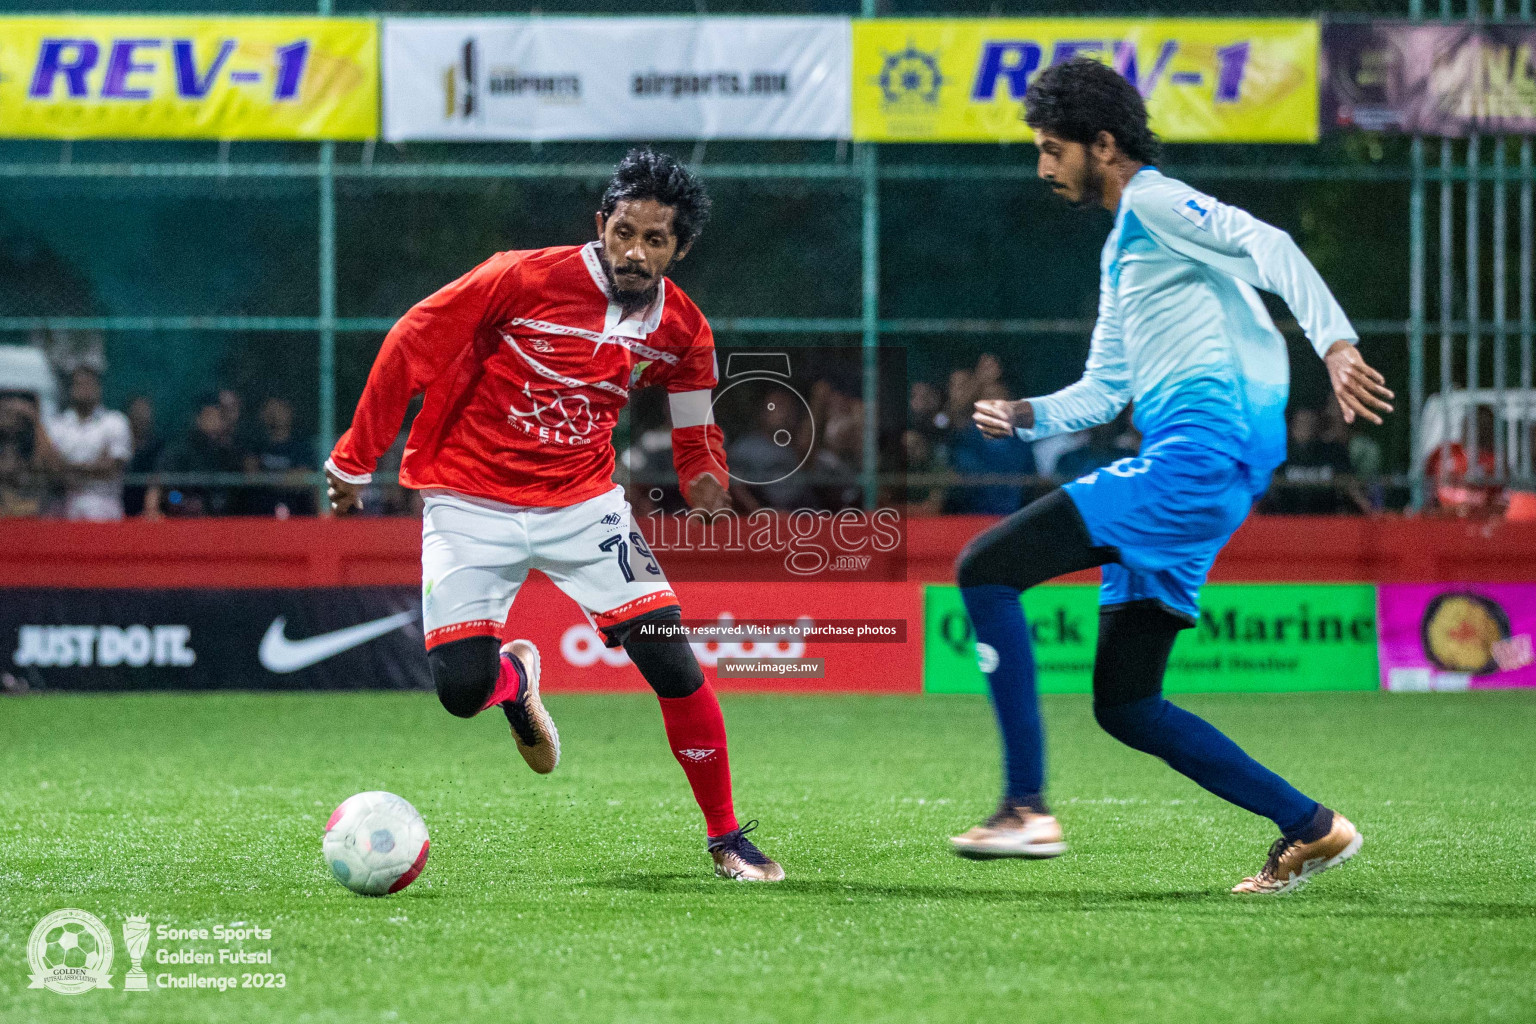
x=587, y=896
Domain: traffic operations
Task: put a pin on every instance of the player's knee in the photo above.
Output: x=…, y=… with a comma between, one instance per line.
x=668, y=665
x=1134, y=723
x=464, y=672
x=980, y=563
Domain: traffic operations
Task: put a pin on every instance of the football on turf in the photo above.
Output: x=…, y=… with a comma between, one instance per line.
x=375, y=843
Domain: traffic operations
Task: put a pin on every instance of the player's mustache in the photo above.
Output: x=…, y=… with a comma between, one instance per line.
x=632, y=268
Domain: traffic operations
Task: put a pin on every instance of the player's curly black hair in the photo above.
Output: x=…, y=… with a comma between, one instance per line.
x=1082, y=97
x=647, y=174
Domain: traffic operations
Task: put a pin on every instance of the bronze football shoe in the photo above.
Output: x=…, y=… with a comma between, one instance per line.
x=1013, y=830
x=738, y=857
x=533, y=730
x=1291, y=863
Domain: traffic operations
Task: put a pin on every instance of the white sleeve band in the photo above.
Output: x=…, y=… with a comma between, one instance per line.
x=692, y=409
x=349, y=478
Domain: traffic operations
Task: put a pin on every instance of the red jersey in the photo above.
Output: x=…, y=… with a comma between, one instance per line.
x=526, y=363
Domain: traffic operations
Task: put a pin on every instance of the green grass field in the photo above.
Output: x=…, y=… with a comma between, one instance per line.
x=587, y=896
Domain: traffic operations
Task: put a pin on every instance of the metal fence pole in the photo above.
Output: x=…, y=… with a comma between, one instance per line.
x=1474, y=295
x=1416, y=323
x=1447, y=298
x=327, y=382
x=1527, y=272
x=326, y=435
x=869, y=305
x=1500, y=305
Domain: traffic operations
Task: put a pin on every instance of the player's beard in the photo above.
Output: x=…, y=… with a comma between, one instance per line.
x=630, y=300
x=1090, y=190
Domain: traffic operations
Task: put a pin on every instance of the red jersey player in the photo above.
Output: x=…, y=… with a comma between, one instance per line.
x=525, y=363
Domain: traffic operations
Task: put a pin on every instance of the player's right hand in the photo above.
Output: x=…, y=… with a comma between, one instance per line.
x=998, y=417
x=1360, y=389
x=345, y=497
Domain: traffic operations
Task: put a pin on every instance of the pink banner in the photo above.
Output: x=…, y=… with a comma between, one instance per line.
x=1457, y=636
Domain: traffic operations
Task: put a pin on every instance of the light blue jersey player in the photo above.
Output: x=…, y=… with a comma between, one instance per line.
x=1183, y=335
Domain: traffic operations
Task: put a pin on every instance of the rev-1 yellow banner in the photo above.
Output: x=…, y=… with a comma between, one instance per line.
x=1205, y=80
x=189, y=78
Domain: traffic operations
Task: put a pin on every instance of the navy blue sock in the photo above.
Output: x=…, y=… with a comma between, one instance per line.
x=1004, y=651
x=1196, y=748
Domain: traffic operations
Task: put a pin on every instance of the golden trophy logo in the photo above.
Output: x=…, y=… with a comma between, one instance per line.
x=136, y=938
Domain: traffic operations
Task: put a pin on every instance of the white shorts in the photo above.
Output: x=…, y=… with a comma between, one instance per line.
x=475, y=554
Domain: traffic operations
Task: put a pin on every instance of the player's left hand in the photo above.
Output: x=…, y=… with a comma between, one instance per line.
x=998, y=417
x=708, y=495
x=344, y=497
x=1361, y=390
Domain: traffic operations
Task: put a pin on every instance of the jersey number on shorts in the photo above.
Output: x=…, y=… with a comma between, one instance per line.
x=1124, y=468
x=617, y=544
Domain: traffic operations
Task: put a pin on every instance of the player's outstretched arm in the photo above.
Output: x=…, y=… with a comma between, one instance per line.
x=1097, y=397
x=1235, y=242
x=430, y=339
x=1359, y=387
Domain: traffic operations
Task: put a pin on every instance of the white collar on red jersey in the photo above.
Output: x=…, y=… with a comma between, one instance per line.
x=613, y=326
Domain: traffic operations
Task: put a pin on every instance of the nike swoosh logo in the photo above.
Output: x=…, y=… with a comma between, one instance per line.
x=281, y=655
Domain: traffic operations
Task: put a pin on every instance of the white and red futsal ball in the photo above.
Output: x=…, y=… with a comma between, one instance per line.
x=375, y=843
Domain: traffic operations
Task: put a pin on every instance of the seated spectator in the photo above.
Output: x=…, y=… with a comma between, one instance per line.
x=1456, y=492
x=205, y=448
x=1315, y=478
x=925, y=411
x=838, y=460
x=922, y=456
x=26, y=456
x=1106, y=444
x=973, y=454
x=766, y=461
x=94, y=444
x=232, y=406
x=277, y=450
x=147, y=446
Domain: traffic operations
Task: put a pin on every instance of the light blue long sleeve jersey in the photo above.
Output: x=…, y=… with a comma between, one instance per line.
x=1182, y=332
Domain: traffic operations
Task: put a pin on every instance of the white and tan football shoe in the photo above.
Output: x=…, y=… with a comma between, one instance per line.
x=1291, y=863
x=1013, y=830
x=533, y=730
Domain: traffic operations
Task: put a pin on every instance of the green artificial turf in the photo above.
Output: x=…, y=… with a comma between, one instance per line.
x=587, y=896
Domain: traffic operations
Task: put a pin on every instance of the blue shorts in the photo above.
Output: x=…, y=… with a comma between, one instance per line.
x=1168, y=511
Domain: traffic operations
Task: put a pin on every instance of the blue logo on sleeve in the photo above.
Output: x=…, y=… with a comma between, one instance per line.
x=1196, y=210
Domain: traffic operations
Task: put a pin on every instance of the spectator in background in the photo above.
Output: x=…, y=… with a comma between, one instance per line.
x=1315, y=478
x=973, y=454
x=922, y=458
x=206, y=448
x=1107, y=443
x=94, y=444
x=925, y=411
x=1365, y=458
x=839, y=456
x=765, y=461
x=961, y=396
x=277, y=450
x=1458, y=492
x=147, y=446
x=232, y=407
x=26, y=457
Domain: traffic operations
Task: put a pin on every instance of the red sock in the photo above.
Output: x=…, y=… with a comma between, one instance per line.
x=508, y=681
x=696, y=732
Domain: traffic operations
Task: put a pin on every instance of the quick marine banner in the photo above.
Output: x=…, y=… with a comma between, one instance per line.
x=1204, y=80
x=1251, y=637
x=91, y=77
